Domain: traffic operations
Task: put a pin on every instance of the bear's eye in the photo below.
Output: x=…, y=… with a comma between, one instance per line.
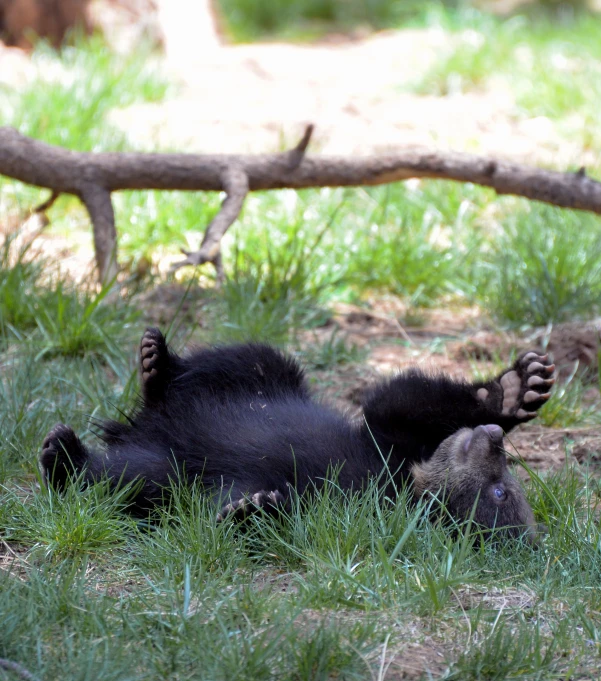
x=500, y=493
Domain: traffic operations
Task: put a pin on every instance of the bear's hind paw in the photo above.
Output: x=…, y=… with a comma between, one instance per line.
x=240, y=508
x=152, y=351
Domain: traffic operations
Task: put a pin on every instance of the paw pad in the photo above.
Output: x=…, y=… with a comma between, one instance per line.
x=526, y=387
x=150, y=353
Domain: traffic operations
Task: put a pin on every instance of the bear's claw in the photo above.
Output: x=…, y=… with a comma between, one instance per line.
x=527, y=386
x=241, y=508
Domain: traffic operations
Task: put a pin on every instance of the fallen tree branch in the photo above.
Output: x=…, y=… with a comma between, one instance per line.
x=235, y=185
x=94, y=176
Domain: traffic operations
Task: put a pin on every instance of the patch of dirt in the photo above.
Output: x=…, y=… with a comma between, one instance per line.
x=548, y=448
x=458, y=343
x=494, y=598
x=574, y=345
x=255, y=98
x=410, y=660
x=277, y=582
x=355, y=88
x=13, y=560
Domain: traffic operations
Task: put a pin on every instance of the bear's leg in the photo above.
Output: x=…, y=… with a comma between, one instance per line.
x=241, y=507
x=247, y=369
x=250, y=368
x=156, y=366
x=63, y=457
x=433, y=407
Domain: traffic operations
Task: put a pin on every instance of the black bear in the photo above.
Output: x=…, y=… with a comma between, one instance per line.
x=242, y=419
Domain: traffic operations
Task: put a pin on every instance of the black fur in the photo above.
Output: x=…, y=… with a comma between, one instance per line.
x=242, y=419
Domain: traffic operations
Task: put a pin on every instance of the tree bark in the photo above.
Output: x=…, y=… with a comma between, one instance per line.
x=93, y=176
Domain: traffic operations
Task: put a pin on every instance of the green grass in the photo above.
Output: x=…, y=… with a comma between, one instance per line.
x=411, y=244
x=550, y=66
x=274, y=287
x=347, y=585
x=566, y=407
x=186, y=592
x=248, y=20
x=544, y=267
x=334, y=351
x=54, y=316
x=510, y=651
x=474, y=56
x=69, y=107
x=82, y=522
x=252, y=19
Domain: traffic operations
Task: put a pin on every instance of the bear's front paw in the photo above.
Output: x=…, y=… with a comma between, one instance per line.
x=59, y=451
x=57, y=440
x=527, y=386
x=241, y=508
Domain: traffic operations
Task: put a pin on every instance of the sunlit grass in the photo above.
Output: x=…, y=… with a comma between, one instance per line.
x=544, y=267
x=252, y=19
x=68, y=102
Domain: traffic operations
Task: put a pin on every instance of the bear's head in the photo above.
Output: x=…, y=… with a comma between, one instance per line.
x=470, y=468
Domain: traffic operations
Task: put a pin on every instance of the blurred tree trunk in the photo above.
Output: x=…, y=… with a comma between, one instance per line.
x=189, y=28
x=21, y=21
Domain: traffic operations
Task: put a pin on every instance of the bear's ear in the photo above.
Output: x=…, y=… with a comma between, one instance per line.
x=420, y=479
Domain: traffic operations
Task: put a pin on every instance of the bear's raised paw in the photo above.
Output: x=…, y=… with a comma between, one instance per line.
x=152, y=354
x=526, y=386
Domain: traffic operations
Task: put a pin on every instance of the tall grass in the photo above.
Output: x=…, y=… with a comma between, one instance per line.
x=54, y=315
x=272, y=290
x=312, y=594
x=68, y=102
x=545, y=267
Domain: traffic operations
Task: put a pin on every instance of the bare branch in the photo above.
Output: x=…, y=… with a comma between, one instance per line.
x=235, y=185
x=297, y=154
x=93, y=177
x=43, y=207
x=98, y=202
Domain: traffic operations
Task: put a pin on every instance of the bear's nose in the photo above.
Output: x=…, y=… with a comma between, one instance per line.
x=494, y=432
